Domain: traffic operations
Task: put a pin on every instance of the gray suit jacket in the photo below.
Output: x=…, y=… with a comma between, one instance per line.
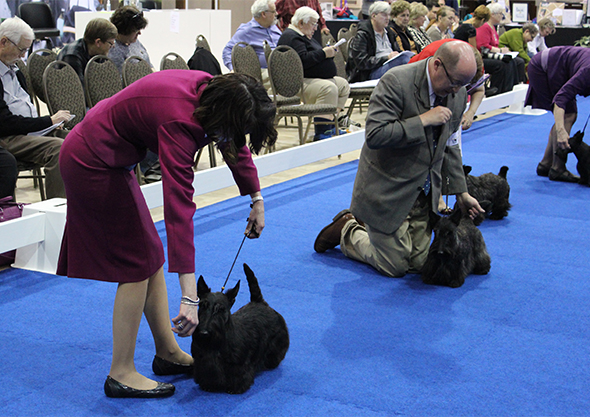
x=398, y=152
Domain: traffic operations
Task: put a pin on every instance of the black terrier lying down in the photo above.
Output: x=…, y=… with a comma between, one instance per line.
x=582, y=152
x=491, y=191
x=229, y=349
x=458, y=249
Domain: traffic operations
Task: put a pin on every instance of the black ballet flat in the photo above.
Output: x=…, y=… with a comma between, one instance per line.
x=542, y=171
x=564, y=176
x=114, y=389
x=163, y=367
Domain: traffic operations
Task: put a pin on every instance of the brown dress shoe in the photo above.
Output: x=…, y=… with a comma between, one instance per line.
x=329, y=237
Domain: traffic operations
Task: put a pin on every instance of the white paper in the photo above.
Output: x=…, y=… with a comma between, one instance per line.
x=340, y=42
x=365, y=84
x=406, y=54
x=175, y=22
x=50, y=128
x=572, y=17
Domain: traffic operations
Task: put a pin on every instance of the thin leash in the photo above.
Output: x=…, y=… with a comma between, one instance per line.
x=253, y=229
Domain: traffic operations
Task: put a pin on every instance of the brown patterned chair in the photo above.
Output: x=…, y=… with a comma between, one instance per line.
x=101, y=79
x=64, y=91
x=36, y=64
x=135, y=68
x=173, y=61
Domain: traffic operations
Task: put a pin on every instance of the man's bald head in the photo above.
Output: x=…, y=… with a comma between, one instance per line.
x=452, y=66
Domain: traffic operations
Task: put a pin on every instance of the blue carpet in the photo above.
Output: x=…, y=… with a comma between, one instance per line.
x=510, y=343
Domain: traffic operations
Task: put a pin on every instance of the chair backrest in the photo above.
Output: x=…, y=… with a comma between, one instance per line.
x=267, y=50
x=245, y=61
x=22, y=67
x=37, y=15
x=340, y=62
x=36, y=64
x=135, y=68
x=344, y=33
x=101, y=79
x=344, y=49
x=285, y=71
x=353, y=29
x=202, y=42
x=172, y=61
x=327, y=38
x=64, y=91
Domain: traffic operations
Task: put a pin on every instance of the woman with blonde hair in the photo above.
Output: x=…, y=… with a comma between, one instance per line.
x=444, y=21
x=400, y=18
x=546, y=27
x=467, y=30
x=418, y=13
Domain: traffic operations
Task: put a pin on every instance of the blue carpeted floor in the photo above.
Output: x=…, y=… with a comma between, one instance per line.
x=511, y=343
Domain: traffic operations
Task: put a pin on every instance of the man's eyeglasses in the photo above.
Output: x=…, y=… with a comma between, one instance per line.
x=111, y=43
x=21, y=50
x=453, y=83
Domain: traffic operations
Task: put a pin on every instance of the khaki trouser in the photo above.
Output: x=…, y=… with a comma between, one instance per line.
x=333, y=91
x=395, y=254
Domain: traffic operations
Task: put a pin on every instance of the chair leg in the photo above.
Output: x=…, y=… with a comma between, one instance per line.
x=197, y=159
x=212, y=159
x=39, y=176
x=309, y=123
x=300, y=128
x=351, y=107
x=139, y=175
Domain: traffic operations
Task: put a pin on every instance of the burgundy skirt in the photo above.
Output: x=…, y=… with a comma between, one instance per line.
x=109, y=233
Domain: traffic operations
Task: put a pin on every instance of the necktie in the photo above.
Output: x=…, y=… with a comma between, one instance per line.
x=435, y=135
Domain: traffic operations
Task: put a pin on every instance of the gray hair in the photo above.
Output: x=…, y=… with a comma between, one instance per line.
x=496, y=8
x=259, y=7
x=531, y=27
x=379, y=7
x=15, y=29
x=304, y=15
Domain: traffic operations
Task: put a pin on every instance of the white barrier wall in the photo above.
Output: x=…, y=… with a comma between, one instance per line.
x=175, y=31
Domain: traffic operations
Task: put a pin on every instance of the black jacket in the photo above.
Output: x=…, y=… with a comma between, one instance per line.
x=313, y=57
x=12, y=124
x=361, y=52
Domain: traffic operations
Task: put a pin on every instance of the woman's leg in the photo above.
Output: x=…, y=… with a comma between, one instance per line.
x=158, y=316
x=129, y=304
x=549, y=158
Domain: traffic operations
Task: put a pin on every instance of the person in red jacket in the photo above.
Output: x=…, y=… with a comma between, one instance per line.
x=109, y=233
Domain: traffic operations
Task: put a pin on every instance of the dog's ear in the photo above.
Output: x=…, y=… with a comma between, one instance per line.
x=456, y=216
x=486, y=205
x=249, y=273
x=202, y=288
x=466, y=169
x=232, y=294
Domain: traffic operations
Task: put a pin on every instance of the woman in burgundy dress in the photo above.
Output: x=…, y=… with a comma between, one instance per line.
x=110, y=235
x=556, y=76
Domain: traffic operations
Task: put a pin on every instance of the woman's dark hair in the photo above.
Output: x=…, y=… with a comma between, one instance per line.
x=128, y=19
x=233, y=105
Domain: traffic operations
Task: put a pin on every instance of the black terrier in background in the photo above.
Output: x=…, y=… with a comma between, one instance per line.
x=458, y=249
x=582, y=152
x=229, y=349
x=491, y=191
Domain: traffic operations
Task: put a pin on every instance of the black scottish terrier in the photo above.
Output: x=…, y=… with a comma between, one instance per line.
x=582, y=152
x=491, y=191
x=458, y=249
x=229, y=349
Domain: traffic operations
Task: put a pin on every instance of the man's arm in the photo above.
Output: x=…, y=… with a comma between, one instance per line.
x=12, y=124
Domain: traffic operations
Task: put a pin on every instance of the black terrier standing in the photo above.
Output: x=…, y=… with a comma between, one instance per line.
x=582, y=152
x=491, y=191
x=229, y=349
x=458, y=249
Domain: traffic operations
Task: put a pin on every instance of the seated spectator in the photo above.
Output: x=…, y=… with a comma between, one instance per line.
x=18, y=116
x=400, y=18
x=99, y=38
x=433, y=7
x=320, y=83
x=488, y=44
x=418, y=13
x=8, y=173
x=517, y=39
x=129, y=22
x=373, y=45
x=286, y=9
x=546, y=27
x=439, y=29
x=261, y=28
x=467, y=31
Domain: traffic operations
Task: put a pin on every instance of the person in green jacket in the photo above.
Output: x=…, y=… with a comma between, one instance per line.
x=516, y=40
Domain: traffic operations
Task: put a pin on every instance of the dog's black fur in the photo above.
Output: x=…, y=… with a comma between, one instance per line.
x=228, y=349
x=458, y=249
x=491, y=191
x=582, y=152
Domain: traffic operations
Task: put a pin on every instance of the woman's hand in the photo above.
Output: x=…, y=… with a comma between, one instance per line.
x=188, y=316
x=255, y=220
x=563, y=139
x=330, y=51
x=467, y=120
